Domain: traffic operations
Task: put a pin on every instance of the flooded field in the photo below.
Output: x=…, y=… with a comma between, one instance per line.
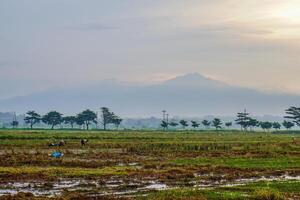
x=149, y=165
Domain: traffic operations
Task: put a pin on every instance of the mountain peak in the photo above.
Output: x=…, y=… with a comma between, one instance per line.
x=193, y=80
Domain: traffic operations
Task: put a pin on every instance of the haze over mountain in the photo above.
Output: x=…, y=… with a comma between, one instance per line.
x=187, y=95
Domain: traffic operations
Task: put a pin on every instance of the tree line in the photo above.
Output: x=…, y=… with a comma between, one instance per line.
x=84, y=119
x=244, y=120
x=87, y=117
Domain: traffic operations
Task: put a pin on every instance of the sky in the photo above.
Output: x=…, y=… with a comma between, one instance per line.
x=63, y=43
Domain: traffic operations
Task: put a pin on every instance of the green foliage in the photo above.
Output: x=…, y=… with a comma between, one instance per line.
x=52, y=118
x=217, y=123
x=287, y=124
x=86, y=118
x=243, y=119
x=164, y=124
x=206, y=123
x=32, y=118
x=276, y=125
x=109, y=117
x=173, y=124
x=183, y=123
x=70, y=120
x=293, y=113
x=195, y=124
x=228, y=124
x=266, y=125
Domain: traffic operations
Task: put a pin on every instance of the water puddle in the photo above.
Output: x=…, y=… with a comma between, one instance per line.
x=119, y=187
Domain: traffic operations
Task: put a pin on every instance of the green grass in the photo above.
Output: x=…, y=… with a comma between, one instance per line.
x=66, y=171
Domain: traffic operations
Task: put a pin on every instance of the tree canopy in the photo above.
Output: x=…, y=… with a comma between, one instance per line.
x=32, y=118
x=86, y=118
x=52, y=118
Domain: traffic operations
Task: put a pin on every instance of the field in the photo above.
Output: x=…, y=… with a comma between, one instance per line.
x=149, y=165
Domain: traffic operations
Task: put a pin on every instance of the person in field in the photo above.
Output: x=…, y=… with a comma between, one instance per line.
x=83, y=142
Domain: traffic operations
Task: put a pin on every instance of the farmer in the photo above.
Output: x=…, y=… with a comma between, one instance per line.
x=61, y=143
x=84, y=142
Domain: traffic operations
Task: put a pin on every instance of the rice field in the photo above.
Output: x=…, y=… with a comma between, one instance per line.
x=149, y=165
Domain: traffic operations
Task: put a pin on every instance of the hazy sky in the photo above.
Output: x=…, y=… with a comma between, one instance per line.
x=57, y=43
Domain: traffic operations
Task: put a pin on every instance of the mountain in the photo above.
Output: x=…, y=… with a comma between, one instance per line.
x=188, y=95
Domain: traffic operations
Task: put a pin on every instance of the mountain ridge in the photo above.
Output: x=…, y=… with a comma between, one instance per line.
x=188, y=95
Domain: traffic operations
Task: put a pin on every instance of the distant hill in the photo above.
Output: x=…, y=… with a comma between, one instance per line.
x=188, y=95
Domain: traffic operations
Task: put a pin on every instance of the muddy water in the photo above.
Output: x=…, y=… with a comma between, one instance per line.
x=119, y=187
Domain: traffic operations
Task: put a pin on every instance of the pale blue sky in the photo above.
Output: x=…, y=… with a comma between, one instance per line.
x=57, y=43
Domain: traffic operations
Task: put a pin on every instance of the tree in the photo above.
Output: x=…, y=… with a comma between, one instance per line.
x=173, y=124
x=70, y=120
x=14, y=123
x=195, y=124
x=206, y=123
x=183, y=123
x=79, y=120
x=32, y=118
x=52, y=118
x=287, y=124
x=217, y=123
x=86, y=118
x=228, y=124
x=164, y=124
x=252, y=123
x=293, y=113
x=107, y=117
x=266, y=125
x=276, y=125
x=117, y=121
x=243, y=120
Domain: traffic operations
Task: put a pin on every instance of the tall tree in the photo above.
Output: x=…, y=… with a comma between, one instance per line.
x=183, y=123
x=70, y=120
x=107, y=117
x=287, y=124
x=206, y=123
x=195, y=124
x=32, y=118
x=217, y=123
x=87, y=117
x=243, y=119
x=293, y=113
